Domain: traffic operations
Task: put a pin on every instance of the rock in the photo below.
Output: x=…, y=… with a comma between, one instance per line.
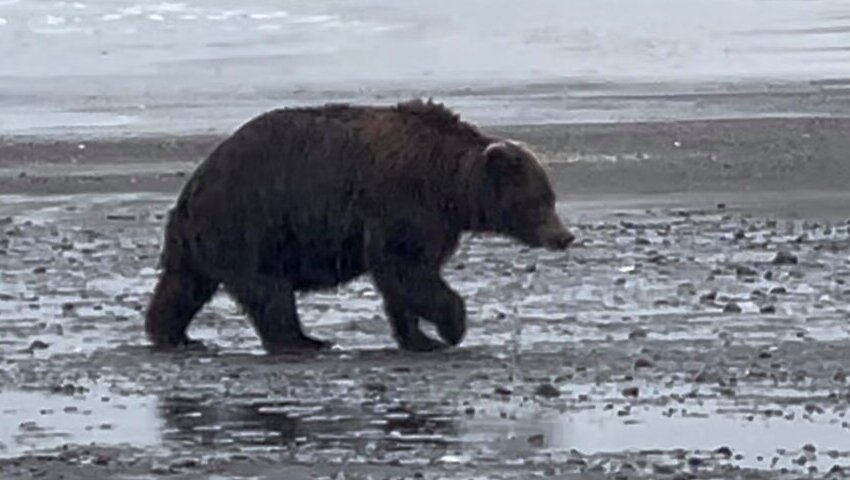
x=37, y=345
x=732, y=307
x=768, y=309
x=709, y=297
x=778, y=291
x=501, y=390
x=119, y=216
x=375, y=387
x=643, y=363
x=631, y=392
x=784, y=257
x=183, y=463
x=536, y=440
x=657, y=259
x=547, y=390
x=724, y=451
x=159, y=470
x=745, y=271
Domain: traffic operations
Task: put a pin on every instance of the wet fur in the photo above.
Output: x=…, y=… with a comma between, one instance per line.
x=308, y=198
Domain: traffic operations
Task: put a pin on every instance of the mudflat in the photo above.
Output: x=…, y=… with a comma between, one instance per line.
x=698, y=329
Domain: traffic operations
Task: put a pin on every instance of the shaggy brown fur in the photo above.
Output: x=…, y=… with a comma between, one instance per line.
x=308, y=198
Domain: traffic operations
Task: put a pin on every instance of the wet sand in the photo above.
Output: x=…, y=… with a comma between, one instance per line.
x=725, y=155
x=697, y=330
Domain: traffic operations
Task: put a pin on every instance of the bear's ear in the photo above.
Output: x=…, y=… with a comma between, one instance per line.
x=502, y=159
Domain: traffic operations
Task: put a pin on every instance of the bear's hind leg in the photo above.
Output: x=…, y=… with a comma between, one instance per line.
x=177, y=298
x=270, y=303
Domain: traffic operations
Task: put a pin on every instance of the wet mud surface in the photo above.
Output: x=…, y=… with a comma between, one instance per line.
x=683, y=337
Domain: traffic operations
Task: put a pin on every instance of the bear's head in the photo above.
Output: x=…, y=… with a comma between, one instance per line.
x=518, y=199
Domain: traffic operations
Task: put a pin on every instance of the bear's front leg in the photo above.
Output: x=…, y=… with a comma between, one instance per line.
x=405, y=326
x=413, y=292
x=404, y=257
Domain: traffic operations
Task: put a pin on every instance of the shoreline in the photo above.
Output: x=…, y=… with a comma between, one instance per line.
x=732, y=155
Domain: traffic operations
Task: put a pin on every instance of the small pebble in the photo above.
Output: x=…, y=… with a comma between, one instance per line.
x=784, y=257
x=547, y=390
x=500, y=390
x=724, y=451
x=375, y=387
x=745, y=271
x=768, y=309
x=160, y=470
x=183, y=463
x=37, y=345
x=643, y=363
x=631, y=392
x=732, y=307
x=536, y=440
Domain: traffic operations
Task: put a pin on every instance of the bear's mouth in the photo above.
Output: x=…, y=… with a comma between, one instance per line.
x=550, y=239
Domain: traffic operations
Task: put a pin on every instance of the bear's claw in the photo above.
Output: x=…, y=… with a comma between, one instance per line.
x=423, y=343
x=300, y=344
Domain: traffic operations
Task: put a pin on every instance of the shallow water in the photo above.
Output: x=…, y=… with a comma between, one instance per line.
x=650, y=39
x=123, y=66
x=32, y=421
x=641, y=361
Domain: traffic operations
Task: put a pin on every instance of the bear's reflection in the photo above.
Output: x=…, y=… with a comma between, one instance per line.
x=200, y=421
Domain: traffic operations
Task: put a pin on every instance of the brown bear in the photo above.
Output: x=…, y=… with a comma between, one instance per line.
x=299, y=199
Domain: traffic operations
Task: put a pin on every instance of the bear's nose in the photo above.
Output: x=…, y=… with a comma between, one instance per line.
x=564, y=240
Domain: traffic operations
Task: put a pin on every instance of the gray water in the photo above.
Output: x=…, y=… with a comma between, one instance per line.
x=162, y=65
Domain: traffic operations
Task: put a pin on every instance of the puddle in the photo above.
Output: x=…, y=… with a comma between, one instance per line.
x=755, y=441
x=273, y=423
x=31, y=421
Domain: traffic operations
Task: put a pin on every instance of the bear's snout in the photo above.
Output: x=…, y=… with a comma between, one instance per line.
x=553, y=235
x=560, y=241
